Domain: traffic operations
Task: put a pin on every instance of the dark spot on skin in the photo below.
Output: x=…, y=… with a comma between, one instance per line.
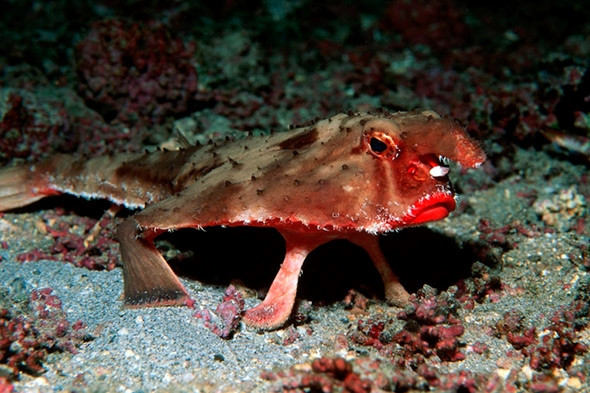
x=295, y=153
x=322, y=182
x=259, y=192
x=297, y=182
x=301, y=140
x=233, y=162
x=227, y=183
x=253, y=178
x=344, y=167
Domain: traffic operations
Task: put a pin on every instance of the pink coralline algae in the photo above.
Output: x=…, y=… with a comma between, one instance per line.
x=26, y=339
x=556, y=346
x=98, y=253
x=32, y=126
x=430, y=329
x=228, y=313
x=135, y=72
x=326, y=375
x=37, y=123
x=559, y=344
x=364, y=375
x=484, y=286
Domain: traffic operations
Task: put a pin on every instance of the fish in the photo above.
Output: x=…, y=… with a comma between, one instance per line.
x=352, y=176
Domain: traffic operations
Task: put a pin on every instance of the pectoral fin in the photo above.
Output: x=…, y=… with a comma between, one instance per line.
x=395, y=293
x=276, y=308
x=148, y=280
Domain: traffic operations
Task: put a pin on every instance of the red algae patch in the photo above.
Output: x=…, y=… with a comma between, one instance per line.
x=74, y=243
x=31, y=330
x=431, y=328
x=134, y=71
x=226, y=319
x=324, y=375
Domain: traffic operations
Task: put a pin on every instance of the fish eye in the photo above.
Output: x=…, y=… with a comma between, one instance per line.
x=377, y=145
x=381, y=144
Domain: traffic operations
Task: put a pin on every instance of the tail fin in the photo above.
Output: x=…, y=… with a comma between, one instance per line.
x=20, y=187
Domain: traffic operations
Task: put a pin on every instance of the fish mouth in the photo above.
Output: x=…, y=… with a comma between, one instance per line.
x=430, y=208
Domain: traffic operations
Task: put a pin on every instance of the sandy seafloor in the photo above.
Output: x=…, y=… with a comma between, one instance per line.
x=512, y=257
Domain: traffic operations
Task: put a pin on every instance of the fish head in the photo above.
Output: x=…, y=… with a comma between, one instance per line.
x=405, y=158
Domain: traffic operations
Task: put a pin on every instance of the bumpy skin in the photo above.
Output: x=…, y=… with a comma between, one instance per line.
x=351, y=176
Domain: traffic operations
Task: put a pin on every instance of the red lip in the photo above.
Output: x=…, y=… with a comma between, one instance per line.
x=437, y=207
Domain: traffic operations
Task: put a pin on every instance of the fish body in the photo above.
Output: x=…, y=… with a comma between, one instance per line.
x=351, y=176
